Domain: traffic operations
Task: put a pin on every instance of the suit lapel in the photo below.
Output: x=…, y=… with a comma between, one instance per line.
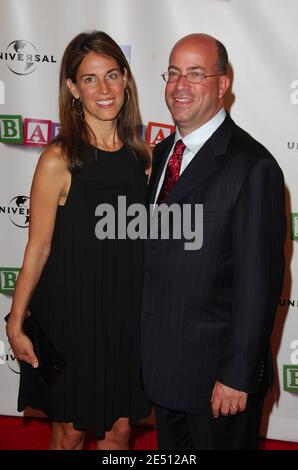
x=205, y=162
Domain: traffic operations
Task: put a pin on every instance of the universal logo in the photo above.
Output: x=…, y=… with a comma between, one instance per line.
x=292, y=145
x=288, y=303
x=12, y=362
x=18, y=211
x=9, y=359
x=22, y=57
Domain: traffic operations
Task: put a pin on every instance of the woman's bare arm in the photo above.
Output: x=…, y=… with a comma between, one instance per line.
x=50, y=180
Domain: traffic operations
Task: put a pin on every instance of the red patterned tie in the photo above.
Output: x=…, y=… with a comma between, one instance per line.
x=172, y=171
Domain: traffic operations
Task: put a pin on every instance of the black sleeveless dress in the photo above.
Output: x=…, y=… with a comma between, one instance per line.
x=88, y=301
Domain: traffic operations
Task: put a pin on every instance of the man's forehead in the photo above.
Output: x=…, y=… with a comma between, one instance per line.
x=195, y=46
x=194, y=55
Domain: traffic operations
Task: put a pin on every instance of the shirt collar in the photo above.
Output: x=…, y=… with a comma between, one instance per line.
x=198, y=137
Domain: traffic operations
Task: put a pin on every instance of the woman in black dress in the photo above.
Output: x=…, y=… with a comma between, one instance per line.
x=85, y=292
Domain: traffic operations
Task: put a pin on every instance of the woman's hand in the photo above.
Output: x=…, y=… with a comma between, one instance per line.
x=21, y=345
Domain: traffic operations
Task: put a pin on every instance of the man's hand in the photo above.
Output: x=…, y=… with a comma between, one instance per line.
x=226, y=400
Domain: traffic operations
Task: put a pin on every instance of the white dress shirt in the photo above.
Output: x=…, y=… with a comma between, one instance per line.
x=194, y=142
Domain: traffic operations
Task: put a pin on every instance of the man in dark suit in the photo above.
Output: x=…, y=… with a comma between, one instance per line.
x=208, y=313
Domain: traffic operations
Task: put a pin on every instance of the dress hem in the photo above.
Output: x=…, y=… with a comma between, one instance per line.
x=132, y=420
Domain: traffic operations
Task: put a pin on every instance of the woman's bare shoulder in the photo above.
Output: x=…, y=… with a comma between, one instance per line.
x=52, y=160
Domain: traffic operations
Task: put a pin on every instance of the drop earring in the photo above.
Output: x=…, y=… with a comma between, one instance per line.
x=77, y=106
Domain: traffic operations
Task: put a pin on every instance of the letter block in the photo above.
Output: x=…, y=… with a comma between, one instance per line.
x=11, y=128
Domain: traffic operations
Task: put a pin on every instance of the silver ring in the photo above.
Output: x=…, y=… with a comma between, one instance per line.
x=233, y=406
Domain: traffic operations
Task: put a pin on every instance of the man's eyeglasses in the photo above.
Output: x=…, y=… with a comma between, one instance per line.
x=192, y=77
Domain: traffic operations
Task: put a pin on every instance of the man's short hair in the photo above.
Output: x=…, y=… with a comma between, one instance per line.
x=222, y=60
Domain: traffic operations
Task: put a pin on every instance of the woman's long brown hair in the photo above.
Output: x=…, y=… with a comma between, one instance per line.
x=74, y=128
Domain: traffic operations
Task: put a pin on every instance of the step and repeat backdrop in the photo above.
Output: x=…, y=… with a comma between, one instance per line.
x=262, y=41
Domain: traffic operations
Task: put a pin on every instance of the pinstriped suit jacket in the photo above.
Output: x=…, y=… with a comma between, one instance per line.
x=208, y=314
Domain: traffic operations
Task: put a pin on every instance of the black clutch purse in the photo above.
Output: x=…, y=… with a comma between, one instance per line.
x=50, y=361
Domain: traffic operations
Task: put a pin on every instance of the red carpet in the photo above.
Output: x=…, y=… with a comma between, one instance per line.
x=34, y=434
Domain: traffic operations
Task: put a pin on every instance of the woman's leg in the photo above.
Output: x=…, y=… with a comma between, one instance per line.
x=117, y=438
x=65, y=437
